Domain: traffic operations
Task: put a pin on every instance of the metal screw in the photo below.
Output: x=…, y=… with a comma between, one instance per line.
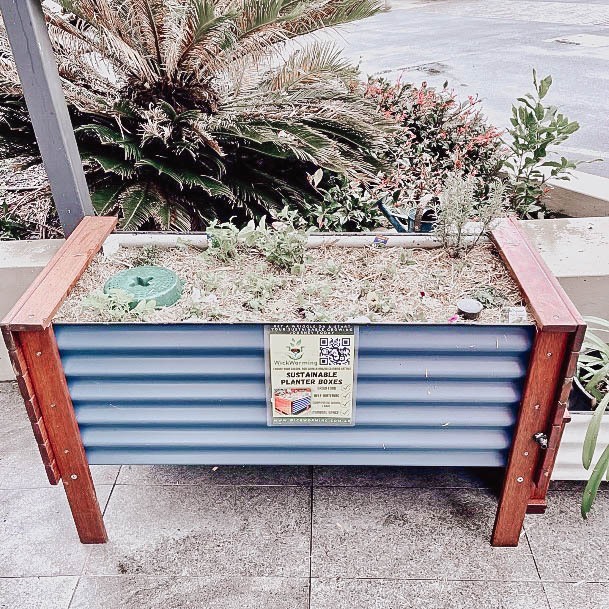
x=537, y=406
x=38, y=353
x=549, y=354
x=66, y=451
x=52, y=405
x=74, y=477
x=520, y=479
x=526, y=453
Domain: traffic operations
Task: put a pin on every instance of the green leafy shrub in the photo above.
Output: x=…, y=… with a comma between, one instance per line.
x=345, y=206
x=459, y=206
x=185, y=111
x=438, y=135
x=535, y=128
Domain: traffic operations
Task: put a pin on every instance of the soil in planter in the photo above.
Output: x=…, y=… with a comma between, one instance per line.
x=338, y=284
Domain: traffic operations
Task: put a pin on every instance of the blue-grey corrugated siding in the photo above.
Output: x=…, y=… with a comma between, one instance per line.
x=426, y=395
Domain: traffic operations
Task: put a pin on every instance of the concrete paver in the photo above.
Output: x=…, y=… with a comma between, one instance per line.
x=568, y=548
x=36, y=592
x=581, y=594
x=419, y=594
x=198, y=530
x=214, y=592
x=411, y=534
x=220, y=475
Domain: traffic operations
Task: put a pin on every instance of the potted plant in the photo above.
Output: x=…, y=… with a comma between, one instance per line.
x=195, y=391
x=591, y=390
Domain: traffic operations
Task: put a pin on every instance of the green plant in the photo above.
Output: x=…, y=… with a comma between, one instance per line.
x=459, y=206
x=117, y=305
x=593, y=374
x=282, y=245
x=191, y=110
x=11, y=227
x=259, y=289
x=223, y=240
x=535, y=128
x=345, y=206
x=146, y=256
x=438, y=135
x=285, y=245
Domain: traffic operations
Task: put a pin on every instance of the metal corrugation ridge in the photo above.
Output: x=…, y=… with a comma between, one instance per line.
x=195, y=393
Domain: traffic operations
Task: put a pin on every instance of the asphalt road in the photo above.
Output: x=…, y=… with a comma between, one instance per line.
x=490, y=47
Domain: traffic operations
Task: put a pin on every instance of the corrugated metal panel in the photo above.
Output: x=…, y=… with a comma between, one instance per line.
x=426, y=395
x=569, y=459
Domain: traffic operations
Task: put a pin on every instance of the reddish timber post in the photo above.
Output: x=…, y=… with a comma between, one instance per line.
x=33, y=349
x=560, y=331
x=41, y=355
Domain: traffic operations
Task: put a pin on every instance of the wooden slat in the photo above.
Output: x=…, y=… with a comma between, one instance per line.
x=44, y=365
x=552, y=308
x=35, y=309
x=546, y=370
x=28, y=394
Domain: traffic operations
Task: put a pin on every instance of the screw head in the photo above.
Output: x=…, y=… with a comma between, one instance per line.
x=549, y=354
x=74, y=477
x=526, y=453
x=520, y=479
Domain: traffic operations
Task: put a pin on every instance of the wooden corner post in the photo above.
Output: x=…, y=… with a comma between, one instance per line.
x=41, y=355
x=543, y=412
x=30, y=339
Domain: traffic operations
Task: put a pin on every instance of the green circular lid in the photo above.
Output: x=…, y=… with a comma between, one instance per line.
x=148, y=283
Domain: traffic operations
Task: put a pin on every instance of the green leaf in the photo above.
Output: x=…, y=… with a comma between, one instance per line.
x=544, y=86
x=105, y=199
x=112, y=164
x=138, y=202
x=594, y=482
x=592, y=432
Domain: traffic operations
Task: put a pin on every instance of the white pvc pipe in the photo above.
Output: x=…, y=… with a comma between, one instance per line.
x=316, y=240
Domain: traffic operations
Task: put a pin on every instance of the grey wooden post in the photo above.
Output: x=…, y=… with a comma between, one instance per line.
x=29, y=39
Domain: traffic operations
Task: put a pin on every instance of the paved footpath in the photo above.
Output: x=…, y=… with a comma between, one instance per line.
x=490, y=47
x=287, y=538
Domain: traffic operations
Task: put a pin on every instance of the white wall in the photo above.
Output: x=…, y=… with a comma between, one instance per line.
x=20, y=263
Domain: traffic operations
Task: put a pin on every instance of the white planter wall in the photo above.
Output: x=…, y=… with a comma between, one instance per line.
x=569, y=461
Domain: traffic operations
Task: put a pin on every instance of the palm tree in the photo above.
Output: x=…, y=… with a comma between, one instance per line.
x=189, y=110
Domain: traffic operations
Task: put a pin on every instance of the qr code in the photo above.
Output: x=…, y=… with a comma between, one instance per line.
x=335, y=351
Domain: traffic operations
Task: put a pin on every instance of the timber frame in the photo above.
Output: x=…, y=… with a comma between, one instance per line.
x=28, y=333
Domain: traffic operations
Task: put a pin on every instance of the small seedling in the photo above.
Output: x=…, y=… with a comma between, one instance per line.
x=117, y=305
x=378, y=302
x=332, y=268
x=146, y=256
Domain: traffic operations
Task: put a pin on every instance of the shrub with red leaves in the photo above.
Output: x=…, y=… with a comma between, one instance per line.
x=438, y=135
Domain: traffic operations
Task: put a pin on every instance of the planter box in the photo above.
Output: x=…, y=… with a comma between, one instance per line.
x=427, y=394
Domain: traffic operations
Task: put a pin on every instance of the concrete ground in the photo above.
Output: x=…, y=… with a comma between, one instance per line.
x=287, y=538
x=490, y=47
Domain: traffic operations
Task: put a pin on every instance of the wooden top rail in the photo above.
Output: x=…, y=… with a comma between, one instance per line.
x=36, y=308
x=551, y=307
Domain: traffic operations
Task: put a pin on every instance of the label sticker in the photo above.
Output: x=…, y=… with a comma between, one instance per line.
x=310, y=373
